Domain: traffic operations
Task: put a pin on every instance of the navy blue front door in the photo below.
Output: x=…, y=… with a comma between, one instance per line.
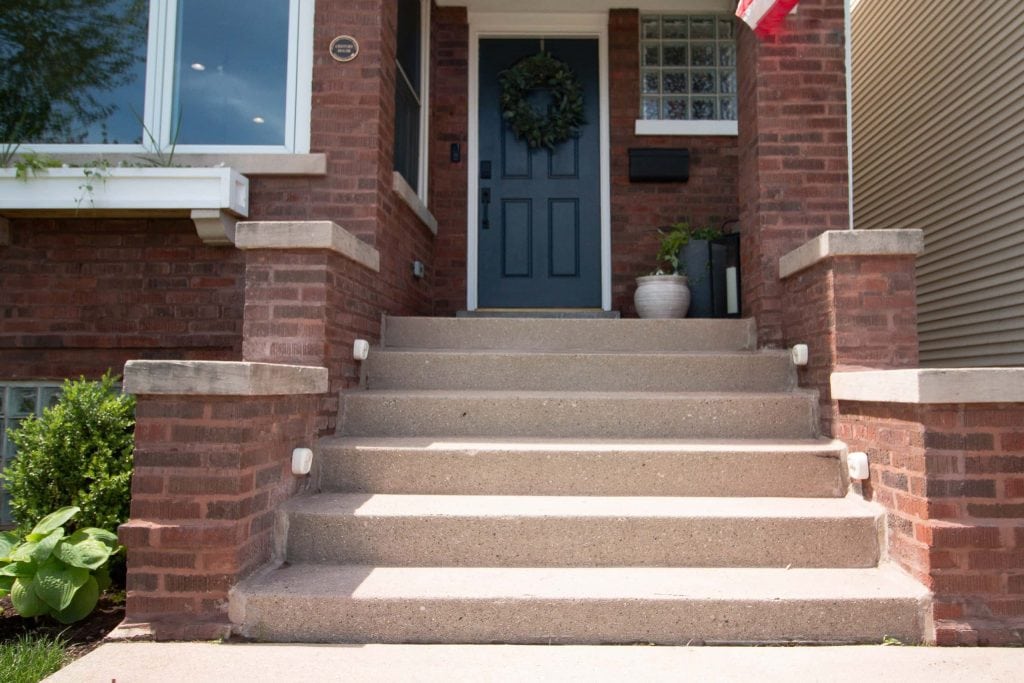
x=539, y=220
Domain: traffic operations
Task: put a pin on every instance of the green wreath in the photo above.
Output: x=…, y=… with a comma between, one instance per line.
x=565, y=113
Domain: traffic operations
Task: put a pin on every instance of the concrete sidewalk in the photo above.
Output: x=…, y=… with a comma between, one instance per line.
x=253, y=663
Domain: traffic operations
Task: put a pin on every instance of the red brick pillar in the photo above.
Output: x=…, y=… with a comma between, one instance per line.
x=793, y=181
x=311, y=289
x=449, y=111
x=849, y=295
x=353, y=114
x=213, y=444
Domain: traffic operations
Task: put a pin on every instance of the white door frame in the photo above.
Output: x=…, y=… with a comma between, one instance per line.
x=532, y=25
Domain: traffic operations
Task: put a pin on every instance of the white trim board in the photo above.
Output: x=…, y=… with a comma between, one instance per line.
x=665, y=127
x=522, y=25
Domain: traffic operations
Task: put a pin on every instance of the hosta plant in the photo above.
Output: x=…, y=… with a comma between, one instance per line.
x=50, y=573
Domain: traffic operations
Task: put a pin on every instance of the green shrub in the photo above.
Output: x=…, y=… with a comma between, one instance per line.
x=51, y=573
x=78, y=453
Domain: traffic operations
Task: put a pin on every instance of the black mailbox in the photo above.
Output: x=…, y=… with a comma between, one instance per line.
x=659, y=165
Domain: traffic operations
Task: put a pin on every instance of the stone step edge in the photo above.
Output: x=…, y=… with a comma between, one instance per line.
x=570, y=444
x=745, y=584
x=696, y=354
x=808, y=394
x=522, y=507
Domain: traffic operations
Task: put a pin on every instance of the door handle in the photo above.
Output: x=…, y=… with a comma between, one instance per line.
x=485, y=205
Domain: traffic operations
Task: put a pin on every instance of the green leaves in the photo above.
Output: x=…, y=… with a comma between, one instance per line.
x=25, y=600
x=83, y=551
x=83, y=602
x=53, y=574
x=77, y=454
x=564, y=114
x=7, y=542
x=56, y=583
x=675, y=238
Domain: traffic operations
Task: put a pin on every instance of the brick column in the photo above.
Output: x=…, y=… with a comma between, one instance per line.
x=449, y=111
x=946, y=453
x=793, y=154
x=311, y=289
x=213, y=444
x=850, y=296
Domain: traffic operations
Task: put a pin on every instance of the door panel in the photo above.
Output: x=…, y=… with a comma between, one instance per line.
x=540, y=211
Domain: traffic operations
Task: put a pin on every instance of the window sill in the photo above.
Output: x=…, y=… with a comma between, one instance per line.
x=409, y=196
x=270, y=164
x=213, y=198
x=726, y=128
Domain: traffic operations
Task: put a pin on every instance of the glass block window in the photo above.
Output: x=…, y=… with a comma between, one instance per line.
x=18, y=401
x=688, y=67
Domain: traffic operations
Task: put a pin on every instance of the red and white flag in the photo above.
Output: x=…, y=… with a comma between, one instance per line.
x=764, y=16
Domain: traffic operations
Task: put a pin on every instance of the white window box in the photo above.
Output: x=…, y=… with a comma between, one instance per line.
x=214, y=198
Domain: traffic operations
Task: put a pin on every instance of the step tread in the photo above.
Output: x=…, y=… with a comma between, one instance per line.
x=476, y=506
x=483, y=445
x=534, y=353
x=560, y=334
x=745, y=585
x=491, y=394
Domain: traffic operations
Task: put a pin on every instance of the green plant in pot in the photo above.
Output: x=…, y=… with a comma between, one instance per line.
x=695, y=261
x=665, y=292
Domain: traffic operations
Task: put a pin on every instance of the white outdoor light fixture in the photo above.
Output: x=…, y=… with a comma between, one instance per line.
x=302, y=461
x=800, y=354
x=857, y=463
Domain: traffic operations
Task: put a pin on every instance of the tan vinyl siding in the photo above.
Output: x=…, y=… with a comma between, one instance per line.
x=938, y=124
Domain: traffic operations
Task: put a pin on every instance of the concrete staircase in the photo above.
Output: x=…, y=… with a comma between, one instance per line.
x=579, y=481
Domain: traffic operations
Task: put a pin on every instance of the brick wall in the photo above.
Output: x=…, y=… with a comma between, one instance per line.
x=792, y=149
x=81, y=296
x=952, y=479
x=638, y=209
x=851, y=311
x=306, y=308
x=449, y=109
x=210, y=473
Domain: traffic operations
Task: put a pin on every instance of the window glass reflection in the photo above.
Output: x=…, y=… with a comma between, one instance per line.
x=73, y=73
x=231, y=72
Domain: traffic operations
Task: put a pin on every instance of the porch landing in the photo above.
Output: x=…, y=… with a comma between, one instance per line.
x=537, y=313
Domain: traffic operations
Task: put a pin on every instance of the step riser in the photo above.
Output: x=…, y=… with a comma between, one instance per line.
x=738, y=417
x=567, y=542
x=567, y=372
x=545, y=621
x=562, y=336
x=560, y=473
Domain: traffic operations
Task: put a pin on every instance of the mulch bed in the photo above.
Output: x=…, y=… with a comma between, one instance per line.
x=81, y=637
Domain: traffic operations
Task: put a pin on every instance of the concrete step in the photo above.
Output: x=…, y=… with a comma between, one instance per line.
x=565, y=531
x=736, y=371
x=570, y=335
x=622, y=415
x=365, y=604
x=582, y=467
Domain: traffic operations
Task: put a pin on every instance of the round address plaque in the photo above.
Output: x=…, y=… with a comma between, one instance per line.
x=344, y=48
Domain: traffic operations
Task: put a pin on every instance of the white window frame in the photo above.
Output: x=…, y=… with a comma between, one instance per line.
x=670, y=127
x=7, y=455
x=159, y=89
x=423, y=171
